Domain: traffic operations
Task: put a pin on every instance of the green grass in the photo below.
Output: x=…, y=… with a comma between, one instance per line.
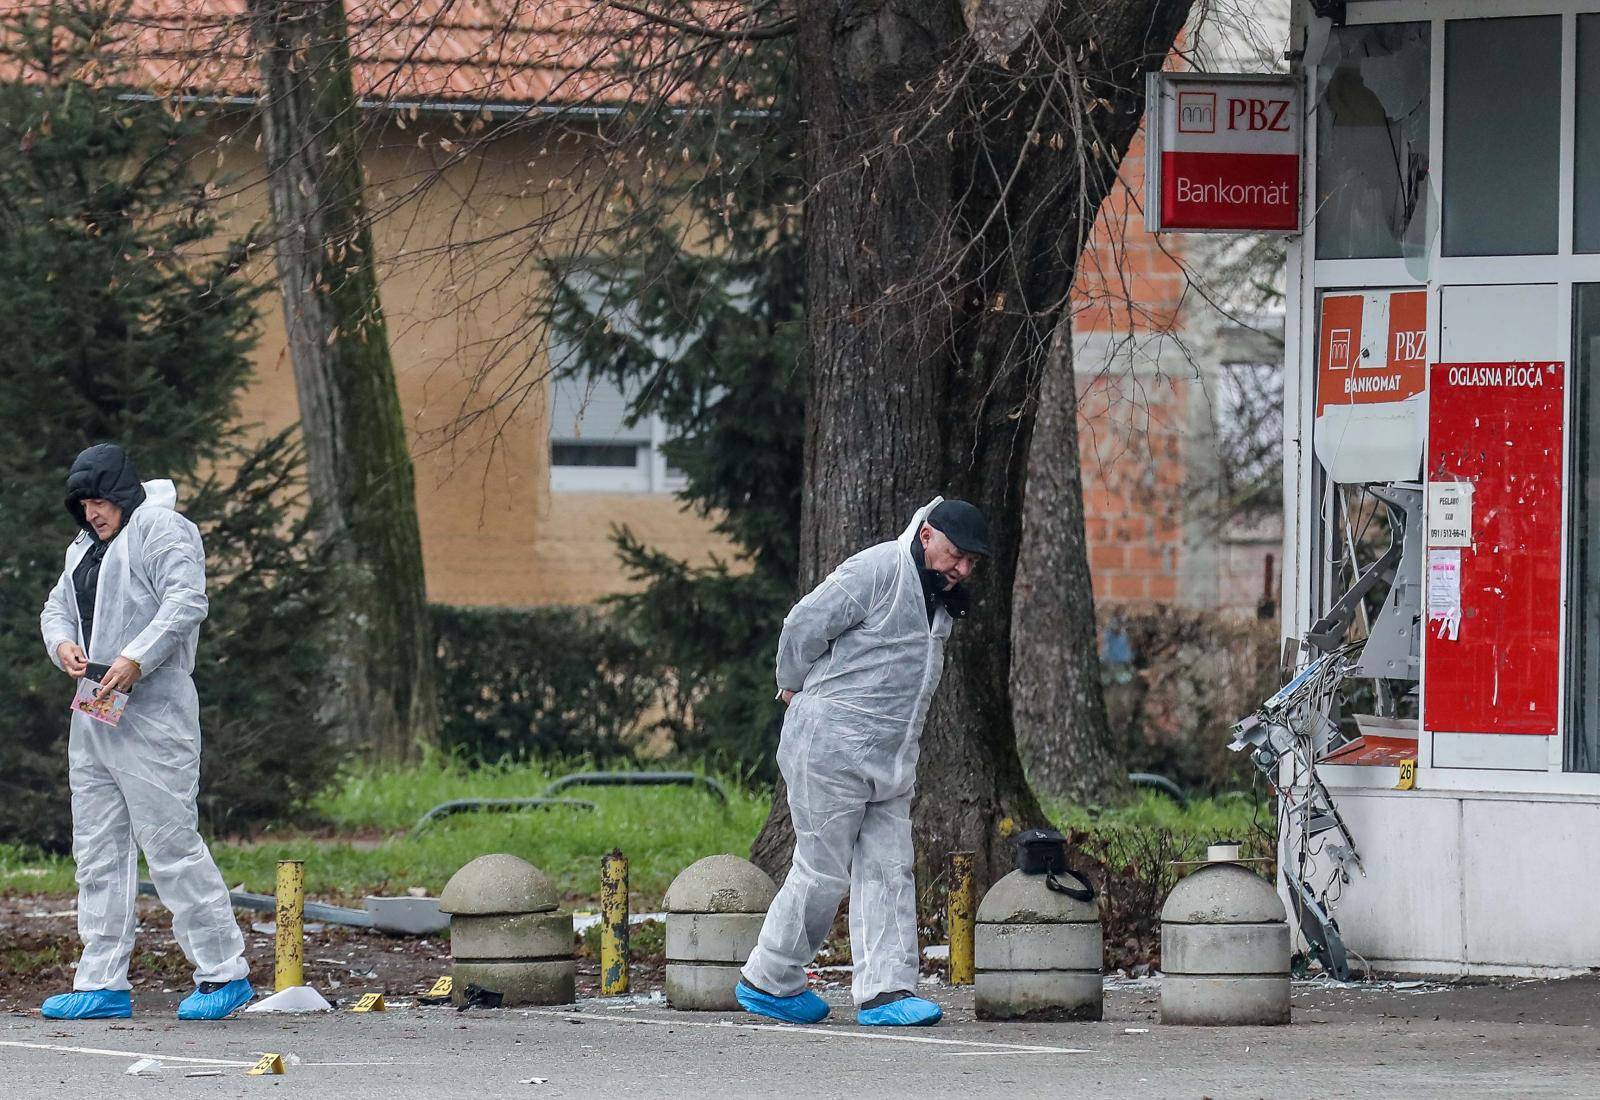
x=661, y=830
x=1126, y=832
x=29, y=872
x=1228, y=817
x=362, y=844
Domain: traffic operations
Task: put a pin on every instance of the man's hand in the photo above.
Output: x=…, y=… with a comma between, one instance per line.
x=123, y=675
x=73, y=659
x=787, y=696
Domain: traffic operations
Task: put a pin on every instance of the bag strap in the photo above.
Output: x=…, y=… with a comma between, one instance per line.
x=1083, y=893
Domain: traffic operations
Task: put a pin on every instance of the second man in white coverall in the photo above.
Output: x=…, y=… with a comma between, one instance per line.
x=858, y=662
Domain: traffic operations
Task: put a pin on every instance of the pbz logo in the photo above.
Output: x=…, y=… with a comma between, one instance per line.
x=1259, y=115
x=1410, y=346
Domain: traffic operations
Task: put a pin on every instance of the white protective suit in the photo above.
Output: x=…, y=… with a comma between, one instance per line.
x=137, y=781
x=865, y=663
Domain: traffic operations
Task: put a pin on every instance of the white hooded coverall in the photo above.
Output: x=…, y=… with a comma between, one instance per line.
x=136, y=782
x=864, y=661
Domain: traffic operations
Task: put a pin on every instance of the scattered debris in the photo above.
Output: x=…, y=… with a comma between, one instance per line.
x=478, y=997
x=584, y=920
x=270, y=928
x=1411, y=987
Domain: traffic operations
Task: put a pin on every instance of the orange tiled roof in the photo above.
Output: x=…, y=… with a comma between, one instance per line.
x=566, y=52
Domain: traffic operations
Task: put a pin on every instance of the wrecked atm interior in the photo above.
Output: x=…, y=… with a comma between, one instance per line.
x=1437, y=749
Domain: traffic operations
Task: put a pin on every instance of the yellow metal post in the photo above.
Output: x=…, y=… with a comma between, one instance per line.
x=614, y=924
x=289, y=963
x=963, y=905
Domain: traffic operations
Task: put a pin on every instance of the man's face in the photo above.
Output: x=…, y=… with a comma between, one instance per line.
x=103, y=516
x=943, y=556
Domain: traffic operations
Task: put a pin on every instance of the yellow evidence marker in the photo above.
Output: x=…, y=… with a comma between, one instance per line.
x=370, y=1002
x=270, y=1063
x=1408, y=776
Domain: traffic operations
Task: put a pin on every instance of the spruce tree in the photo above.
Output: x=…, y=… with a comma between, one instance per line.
x=696, y=311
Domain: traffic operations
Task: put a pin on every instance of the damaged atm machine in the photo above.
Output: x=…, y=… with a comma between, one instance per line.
x=1435, y=751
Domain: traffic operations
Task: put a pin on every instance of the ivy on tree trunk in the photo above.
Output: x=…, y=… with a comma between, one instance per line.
x=382, y=667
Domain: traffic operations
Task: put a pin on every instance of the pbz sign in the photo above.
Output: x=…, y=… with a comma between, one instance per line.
x=1222, y=153
x=1270, y=115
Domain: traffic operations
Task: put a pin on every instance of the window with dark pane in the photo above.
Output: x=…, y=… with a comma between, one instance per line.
x=1502, y=136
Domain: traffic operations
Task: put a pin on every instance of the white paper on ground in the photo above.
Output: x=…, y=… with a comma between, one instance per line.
x=145, y=1067
x=297, y=998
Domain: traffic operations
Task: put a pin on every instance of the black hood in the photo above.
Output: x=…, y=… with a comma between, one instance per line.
x=103, y=472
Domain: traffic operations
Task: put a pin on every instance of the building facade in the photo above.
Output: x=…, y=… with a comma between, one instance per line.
x=517, y=504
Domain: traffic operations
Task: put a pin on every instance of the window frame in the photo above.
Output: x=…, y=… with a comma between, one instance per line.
x=650, y=472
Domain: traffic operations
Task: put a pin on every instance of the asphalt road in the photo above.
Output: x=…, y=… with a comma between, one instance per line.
x=1530, y=1039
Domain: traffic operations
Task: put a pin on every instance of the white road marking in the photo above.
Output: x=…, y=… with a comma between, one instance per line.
x=1010, y=1053
x=60, y=1049
x=795, y=1029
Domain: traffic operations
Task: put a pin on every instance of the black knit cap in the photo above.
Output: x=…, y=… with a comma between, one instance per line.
x=103, y=472
x=962, y=524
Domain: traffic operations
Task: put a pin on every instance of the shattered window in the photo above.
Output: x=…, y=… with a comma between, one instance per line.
x=1586, y=184
x=1502, y=135
x=1372, y=141
x=1583, y=550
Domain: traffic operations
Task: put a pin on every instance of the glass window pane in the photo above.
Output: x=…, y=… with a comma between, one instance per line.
x=1582, y=750
x=1502, y=135
x=1372, y=141
x=623, y=455
x=1586, y=181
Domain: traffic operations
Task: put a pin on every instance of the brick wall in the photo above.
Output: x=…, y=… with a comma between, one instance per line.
x=1134, y=411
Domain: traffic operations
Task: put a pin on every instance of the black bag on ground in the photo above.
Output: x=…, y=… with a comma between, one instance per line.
x=1044, y=852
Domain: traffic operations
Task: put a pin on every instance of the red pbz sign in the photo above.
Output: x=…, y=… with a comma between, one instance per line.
x=1222, y=153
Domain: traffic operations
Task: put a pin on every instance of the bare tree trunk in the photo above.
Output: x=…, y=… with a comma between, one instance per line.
x=383, y=691
x=951, y=198
x=1056, y=698
x=874, y=445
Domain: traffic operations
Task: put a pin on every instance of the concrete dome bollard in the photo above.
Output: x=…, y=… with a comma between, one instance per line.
x=505, y=933
x=1038, y=953
x=714, y=914
x=1224, y=947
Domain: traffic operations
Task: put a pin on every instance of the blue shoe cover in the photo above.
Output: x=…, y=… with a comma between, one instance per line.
x=801, y=1008
x=906, y=1012
x=88, y=1004
x=218, y=1003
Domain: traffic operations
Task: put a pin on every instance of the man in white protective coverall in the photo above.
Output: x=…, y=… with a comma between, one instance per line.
x=131, y=599
x=858, y=662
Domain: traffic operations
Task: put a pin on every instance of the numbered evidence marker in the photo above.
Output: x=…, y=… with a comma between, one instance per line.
x=270, y=1063
x=440, y=993
x=370, y=1002
x=1408, y=776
